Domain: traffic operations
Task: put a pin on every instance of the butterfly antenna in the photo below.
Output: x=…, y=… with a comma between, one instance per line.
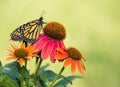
x=43, y=12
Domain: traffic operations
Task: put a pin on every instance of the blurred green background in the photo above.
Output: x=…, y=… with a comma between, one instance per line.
x=92, y=26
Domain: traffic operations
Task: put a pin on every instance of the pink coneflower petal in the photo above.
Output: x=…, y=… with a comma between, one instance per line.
x=61, y=44
x=54, y=51
x=41, y=35
x=39, y=44
x=47, y=49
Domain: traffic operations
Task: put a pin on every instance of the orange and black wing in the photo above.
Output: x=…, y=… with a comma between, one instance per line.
x=28, y=32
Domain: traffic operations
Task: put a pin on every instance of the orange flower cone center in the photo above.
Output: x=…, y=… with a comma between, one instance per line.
x=74, y=53
x=55, y=30
x=20, y=53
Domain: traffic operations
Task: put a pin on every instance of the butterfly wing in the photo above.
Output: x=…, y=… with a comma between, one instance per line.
x=16, y=35
x=32, y=31
x=28, y=32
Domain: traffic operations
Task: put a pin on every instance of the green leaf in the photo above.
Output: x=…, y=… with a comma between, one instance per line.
x=43, y=68
x=7, y=82
x=31, y=82
x=1, y=68
x=11, y=73
x=2, y=78
x=25, y=72
x=0, y=64
x=13, y=65
x=50, y=75
x=65, y=81
x=43, y=77
x=40, y=81
x=39, y=84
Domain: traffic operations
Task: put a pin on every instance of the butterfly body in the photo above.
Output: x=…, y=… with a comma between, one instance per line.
x=28, y=32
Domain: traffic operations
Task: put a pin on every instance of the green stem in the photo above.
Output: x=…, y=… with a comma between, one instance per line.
x=25, y=63
x=21, y=78
x=58, y=75
x=36, y=71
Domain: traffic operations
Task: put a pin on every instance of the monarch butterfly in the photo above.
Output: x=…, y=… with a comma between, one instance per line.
x=28, y=32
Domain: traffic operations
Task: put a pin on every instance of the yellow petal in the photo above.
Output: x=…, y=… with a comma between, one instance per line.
x=11, y=51
x=73, y=66
x=31, y=51
x=67, y=62
x=60, y=56
x=9, y=58
x=21, y=60
x=61, y=51
x=14, y=48
x=33, y=55
x=22, y=46
x=27, y=58
x=81, y=67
